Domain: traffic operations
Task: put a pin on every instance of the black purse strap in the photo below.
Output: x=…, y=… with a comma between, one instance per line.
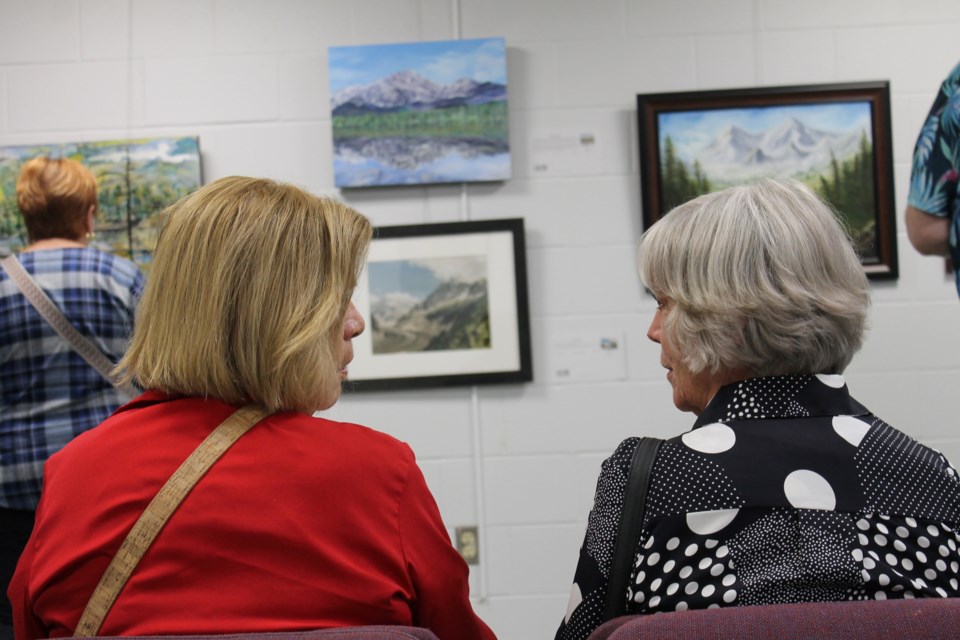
x=631, y=521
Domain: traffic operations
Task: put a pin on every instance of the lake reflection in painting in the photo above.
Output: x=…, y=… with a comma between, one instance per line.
x=420, y=113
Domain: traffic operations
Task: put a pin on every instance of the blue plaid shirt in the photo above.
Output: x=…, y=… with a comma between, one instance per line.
x=48, y=393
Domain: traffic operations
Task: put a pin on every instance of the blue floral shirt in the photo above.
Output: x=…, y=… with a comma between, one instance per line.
x=48, y=393
x=934, y=185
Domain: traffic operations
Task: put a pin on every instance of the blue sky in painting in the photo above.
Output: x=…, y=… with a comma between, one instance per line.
x=691, y=131
x=483, y=60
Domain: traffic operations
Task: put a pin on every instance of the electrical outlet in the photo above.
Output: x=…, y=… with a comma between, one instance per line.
x=468, y=544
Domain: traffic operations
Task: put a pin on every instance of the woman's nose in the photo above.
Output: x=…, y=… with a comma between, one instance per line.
x=354, y=324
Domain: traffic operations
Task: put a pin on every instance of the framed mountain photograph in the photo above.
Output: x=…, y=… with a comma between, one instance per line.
x=419, y=113
x=835, y=138
x=445, y=304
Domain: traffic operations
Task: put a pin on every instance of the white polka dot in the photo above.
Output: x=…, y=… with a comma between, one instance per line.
x=954, y=584
x=943, y=551
x=685, y=573
x=930, y=574
x=711, y=438
x=880, y=539
x=831, y=380
x=869, y=563
x=714, y=606
x=708, y=591
x=910, y=522
x=639, y=597
x=641, y=577
x=883, y=579
x=907, y=564
x=933, y=531
x=850, y=429
x=923, y=542
x=690, y=550
x=653, y=559
x=649, y=543
x=858, y=555
x=705, y=523
x=954, y=566
x=723, y=551
x=656, y=584
x=880, y=595
x=899, y=545
x=903, y=532
x=882, y=528
x=863, y=525
x=807, y=489
x=921, y=556
x=716, y=570
x=682, y=606
x=673, y=543
x=654, y=602
x=942, y=592
x=728, y=580
x=908, y=595
x=711, y=543
x=863, y=539
x=706, y=562
x=575, y=599
x=730, y=596
x=865, y=574
x=691, y=588
x=673, y=588
x=668, y=566
x=891, y=559
x=941, y=565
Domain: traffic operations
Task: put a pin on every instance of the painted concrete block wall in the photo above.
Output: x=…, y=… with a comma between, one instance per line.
x=249, y=77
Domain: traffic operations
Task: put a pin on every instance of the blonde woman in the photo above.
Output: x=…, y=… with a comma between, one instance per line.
x=48, y=392
x=303, y=523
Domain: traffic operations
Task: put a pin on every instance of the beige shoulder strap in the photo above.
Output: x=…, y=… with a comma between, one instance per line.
x=158, y=512
x=55, y=318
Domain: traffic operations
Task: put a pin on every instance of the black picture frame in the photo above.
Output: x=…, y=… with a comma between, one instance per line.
x=701, y=119
x=424, y=292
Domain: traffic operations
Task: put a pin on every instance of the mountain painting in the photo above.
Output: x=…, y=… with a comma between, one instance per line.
x=419, y=113
x=827, y=146
x=136, y=180
x=429, y=305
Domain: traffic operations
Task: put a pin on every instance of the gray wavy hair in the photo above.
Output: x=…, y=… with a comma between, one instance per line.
x=763, y=276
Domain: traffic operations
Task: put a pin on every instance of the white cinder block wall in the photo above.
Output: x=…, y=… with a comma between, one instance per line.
x=249, y=77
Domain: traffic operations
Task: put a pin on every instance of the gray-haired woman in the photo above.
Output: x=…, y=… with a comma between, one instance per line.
x=786, y=489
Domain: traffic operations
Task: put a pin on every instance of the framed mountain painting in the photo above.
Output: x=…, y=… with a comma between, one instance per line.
x=136, y=180
x=835, y=138
x=445, y=304
x=419, y=113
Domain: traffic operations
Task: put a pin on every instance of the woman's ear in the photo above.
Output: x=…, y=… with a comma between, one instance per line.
x=91, y=217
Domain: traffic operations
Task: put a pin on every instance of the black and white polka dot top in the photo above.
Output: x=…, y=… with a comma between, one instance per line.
x=785, y=490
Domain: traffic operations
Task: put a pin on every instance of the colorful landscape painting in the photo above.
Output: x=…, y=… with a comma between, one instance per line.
x=419, y=113
x=429, y=305
x=137, y=179
x=828, y=146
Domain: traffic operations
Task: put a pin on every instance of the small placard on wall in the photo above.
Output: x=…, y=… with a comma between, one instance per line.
x=563, y=152
x=577, y=356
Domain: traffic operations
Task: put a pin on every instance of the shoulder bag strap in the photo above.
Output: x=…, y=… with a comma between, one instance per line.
x=631, y=521
x=158, y=512
x=55, y=318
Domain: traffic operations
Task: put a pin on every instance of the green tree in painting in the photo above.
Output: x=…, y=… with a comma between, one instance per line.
x=680, y=183
x=849, y=187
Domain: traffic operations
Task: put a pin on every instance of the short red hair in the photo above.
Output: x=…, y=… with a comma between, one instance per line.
x=54, y=197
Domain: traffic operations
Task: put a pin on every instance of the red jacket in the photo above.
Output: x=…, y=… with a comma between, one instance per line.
x=304, y=523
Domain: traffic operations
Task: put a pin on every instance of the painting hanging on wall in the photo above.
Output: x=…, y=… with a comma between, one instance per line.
x=835, y=138
x=136, y=180
x=419, y=113
x=445, y=304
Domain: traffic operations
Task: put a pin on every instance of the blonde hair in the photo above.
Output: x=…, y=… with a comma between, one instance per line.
x=54, y=197
x=247, y=294
x=763, y=277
